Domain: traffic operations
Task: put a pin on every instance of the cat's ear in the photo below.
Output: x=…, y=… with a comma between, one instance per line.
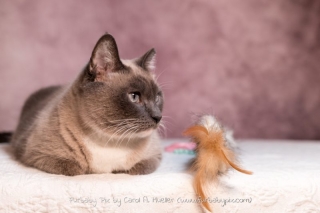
x=148, y=60
x=105, y=57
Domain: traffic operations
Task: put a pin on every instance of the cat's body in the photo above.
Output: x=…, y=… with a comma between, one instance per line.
x=103, y=122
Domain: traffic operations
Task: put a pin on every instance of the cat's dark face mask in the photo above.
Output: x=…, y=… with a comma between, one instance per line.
x=120, y=97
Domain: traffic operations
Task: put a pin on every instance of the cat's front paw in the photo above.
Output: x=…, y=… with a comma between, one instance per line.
x=145, y=167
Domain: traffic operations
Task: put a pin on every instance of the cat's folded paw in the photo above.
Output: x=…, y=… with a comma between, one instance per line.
x=59, y=166
x=145, y=167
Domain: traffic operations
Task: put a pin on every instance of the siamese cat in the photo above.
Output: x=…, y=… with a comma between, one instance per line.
x=104, y=122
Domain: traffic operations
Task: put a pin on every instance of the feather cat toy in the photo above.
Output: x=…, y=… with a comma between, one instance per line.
x=215, y=153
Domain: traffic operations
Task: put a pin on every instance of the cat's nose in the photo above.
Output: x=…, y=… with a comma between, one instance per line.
x=156, y=118
x=155, y=114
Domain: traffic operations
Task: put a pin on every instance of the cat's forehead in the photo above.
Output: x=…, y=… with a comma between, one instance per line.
x=134, y=68
x=140, y=79
x=137, y=70
x=140, y=83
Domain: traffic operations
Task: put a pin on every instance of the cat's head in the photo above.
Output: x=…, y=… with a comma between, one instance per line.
x=120, y=96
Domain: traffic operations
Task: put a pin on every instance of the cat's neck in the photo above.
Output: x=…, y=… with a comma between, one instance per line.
x=127, y=140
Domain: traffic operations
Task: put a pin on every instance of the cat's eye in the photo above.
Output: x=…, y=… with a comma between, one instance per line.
x=134, y=97
x=157, y=98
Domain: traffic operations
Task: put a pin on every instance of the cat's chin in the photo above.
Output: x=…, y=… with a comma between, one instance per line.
x=145, y=133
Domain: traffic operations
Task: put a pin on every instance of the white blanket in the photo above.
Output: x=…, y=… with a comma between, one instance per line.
x=286, y=179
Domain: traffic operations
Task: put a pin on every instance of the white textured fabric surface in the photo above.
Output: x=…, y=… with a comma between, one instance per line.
x=286, y=179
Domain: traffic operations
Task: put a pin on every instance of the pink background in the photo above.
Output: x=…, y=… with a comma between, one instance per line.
x=253, y=63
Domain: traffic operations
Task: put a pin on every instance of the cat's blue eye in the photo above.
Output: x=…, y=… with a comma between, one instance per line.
x=134, y=97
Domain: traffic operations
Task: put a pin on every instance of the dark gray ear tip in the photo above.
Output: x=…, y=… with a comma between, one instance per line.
x=106, y=37
x=153, y=51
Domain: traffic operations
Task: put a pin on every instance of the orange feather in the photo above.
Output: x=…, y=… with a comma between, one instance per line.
x=213, y=156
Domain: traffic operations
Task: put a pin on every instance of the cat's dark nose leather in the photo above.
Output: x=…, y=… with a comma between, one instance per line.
x=155, y=113
x=156, y=118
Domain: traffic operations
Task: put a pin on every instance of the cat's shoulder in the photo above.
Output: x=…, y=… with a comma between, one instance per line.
x=44, y=92
x=40, y=98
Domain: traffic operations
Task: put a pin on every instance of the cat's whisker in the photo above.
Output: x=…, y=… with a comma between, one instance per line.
x=161, y=133
x=122, y=120
x=162, y=129
x=119, y=122
x=166, y=117
x=110, y=127
x=133, y=133
x=162, y=125
x=165, y=85
x=114, y=134
x=166, y=123
x=159, y=75
x=123, y=136
x=161, y=72
x=165, y=127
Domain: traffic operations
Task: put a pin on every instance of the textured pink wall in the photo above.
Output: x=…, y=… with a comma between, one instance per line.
x=253, y=63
